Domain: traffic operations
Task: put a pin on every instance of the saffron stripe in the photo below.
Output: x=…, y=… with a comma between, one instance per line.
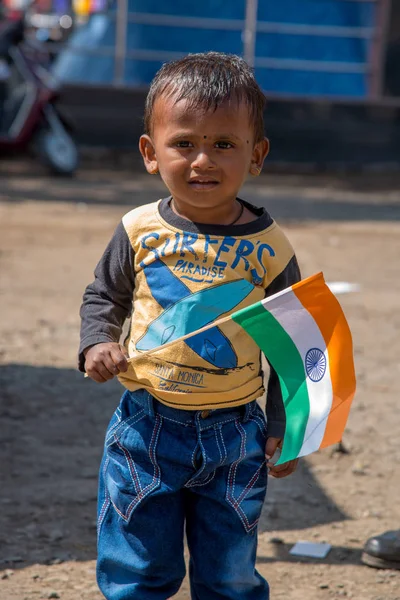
x=327, y=312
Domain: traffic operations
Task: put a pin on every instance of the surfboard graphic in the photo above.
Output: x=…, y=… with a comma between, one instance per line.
x=185, y=312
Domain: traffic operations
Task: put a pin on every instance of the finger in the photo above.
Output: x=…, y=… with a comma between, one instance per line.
x=283, y=465
x=105, y=359
x=104, y=366
x=95, y=375
x=288, y=467
x=274, y=472
x=119, y=360
x=275, y=468
x=284, y=469
x=271, y=446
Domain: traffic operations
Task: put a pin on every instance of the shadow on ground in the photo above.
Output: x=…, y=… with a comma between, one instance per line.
x=338, y=555
x=52, y=426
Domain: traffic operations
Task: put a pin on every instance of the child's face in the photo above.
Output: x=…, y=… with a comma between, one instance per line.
x=203, y=157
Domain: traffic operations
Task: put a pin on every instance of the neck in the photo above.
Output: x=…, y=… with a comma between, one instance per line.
x=219, y=215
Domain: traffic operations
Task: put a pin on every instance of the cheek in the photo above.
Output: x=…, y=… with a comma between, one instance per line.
x=236, y=164
x=173, y=172
x=172, y=162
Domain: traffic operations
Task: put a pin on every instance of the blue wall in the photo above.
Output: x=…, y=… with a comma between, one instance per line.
x=300, y=81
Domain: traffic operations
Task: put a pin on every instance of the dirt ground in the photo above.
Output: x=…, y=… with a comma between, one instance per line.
x=52, y=232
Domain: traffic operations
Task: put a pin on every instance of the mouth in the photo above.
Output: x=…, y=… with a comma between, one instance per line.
x=203, y=184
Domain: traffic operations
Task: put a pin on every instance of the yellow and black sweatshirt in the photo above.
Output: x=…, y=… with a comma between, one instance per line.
x=172, y=277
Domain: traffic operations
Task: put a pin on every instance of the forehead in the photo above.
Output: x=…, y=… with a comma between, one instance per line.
x=170, y=115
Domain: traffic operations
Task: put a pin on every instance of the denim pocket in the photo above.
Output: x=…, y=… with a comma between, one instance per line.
x=118, y=425
x=132, y=471
x=247, y=477
x=257, y=415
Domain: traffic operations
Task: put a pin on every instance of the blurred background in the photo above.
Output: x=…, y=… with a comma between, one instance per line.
x=330, y=68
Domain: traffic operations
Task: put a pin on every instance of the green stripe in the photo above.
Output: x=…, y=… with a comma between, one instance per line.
x=283, y=355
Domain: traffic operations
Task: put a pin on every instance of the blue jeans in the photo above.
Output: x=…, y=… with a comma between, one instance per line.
x=165, y=470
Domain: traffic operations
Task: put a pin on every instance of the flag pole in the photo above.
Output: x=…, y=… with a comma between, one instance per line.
x=335, y=287
x=205, y=328
x=180, y=339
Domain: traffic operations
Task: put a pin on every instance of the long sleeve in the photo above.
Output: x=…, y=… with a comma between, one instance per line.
x=107, y=301
x=275, y=410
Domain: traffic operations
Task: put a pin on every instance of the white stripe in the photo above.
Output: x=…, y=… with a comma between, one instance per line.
x=305, y=333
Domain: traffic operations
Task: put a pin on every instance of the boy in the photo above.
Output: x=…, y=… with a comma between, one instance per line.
x=187, y=446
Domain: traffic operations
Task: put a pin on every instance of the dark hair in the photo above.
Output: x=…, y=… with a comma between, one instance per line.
x=207, y=80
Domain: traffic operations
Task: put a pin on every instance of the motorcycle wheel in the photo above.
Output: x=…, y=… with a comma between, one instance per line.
x=58, y=150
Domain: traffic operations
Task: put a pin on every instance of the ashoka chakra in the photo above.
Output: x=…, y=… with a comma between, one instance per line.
x=315, y=364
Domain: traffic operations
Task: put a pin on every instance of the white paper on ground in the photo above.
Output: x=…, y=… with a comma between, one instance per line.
x=343, y=287
x=312, y=549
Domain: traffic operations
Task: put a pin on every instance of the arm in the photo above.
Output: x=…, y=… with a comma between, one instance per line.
x=275, y=410
x=107, y=301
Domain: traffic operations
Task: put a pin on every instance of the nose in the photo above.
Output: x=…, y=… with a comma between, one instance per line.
x=203, y=162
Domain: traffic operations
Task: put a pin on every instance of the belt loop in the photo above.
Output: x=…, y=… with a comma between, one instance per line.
x=150, y=404
x=247, y=411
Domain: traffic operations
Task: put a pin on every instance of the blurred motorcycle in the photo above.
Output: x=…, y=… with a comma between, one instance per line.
x=28, y=113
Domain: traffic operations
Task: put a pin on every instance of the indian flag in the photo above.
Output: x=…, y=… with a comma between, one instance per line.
x=305, y=336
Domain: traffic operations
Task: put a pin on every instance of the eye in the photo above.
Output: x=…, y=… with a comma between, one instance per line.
x=223, y=145
x=184, y=144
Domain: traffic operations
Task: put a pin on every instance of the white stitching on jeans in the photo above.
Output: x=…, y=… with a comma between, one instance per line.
x=257, y=420
x=124, y=425
x=223, y=444
x=104, y=509
x=110, y=431
x=175, y=421
x=221, y=437
x=131, y=466
x=106, y=496
x=235, y=503
x=156, y=476
x=262, y=418
x=219, y=423
x=196, y=483
x=203, y=453
x=243, y=447
x=248, y=486
x=217, y=430
x=193, y=453
x=231, y=478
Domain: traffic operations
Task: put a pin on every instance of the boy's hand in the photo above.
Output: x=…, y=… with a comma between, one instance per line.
x=284, y=469
x=104, y=361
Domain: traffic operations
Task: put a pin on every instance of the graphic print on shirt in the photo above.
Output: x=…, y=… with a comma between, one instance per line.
x=194, y=252
x=187, y=279
x=185, y=312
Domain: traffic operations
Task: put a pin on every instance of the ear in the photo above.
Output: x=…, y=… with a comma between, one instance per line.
x=148, y=152
x=260, y=152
